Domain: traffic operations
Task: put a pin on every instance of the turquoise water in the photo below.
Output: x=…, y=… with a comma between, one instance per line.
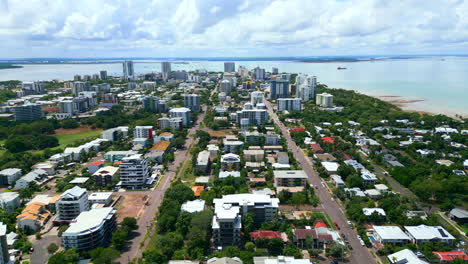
x=441, y=82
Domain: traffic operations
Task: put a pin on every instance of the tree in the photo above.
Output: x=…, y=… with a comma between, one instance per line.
x=104, y=255
x=169, y=243
x=336, y=250
x=119, y=237
x=153, y=256
x=52, y=248
x=130, y=222
x=64, y=257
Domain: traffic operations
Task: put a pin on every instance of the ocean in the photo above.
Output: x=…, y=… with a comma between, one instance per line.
x=434, y=84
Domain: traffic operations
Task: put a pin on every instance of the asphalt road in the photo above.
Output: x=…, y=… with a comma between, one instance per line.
x=359, y=254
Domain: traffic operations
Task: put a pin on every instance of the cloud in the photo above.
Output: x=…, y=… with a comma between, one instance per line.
x=107, y=28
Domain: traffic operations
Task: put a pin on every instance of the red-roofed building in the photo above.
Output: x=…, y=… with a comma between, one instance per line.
x=51, y=109
x=268, y=235
x=447, y=257
x=316, y=148
x=328, y=140
x=94, y=166
x=320, y=224
x=297, y=129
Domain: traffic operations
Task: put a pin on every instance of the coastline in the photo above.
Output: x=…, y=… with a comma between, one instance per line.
x=414, y=105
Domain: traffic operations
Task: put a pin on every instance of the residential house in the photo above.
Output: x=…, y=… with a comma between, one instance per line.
x=33, y=217
x=230, y=161
x=337, y=180
x=424, y=233
x=459, y=215
x=94, y=166
x=405, y=256
x=390, y=235
x=38, y=176
x=203, y=161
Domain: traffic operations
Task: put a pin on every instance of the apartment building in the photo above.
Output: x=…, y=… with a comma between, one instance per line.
x=134, y=171
x=71, y=203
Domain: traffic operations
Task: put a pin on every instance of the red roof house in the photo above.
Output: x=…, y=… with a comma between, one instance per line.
x=316, y=148
x=297, y=129
x=320, y=224
x=450, y=256
x=328, y=140
x=268, y=235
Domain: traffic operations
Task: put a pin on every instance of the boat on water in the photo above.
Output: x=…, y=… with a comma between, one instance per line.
x=341, y=68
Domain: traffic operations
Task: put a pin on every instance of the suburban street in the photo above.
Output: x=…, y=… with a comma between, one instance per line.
x=134, y=250
x=359, y=254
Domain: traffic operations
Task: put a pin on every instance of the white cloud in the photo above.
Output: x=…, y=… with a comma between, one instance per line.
x=230, y=28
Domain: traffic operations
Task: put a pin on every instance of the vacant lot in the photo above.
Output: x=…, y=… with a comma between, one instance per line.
x=130, y=205
x=219, y=133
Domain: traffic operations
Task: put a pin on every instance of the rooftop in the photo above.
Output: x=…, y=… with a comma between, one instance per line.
x=390, y=233
x=193, y=206
x=161, y=145
x=74, y=192
x=290, y=174
x=404, y=256
x=424, y=232
x=100, y=196
x=79, y=180
x=89, y=221
x=370, y=211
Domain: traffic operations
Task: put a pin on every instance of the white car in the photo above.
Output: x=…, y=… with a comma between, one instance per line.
x=362, y=242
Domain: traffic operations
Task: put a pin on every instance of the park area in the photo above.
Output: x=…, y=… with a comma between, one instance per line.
x=69, y=136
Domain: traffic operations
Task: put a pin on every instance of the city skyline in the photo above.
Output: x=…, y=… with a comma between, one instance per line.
x=207, y=28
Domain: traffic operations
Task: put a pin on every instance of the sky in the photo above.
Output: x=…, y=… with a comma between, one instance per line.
x=230, y=28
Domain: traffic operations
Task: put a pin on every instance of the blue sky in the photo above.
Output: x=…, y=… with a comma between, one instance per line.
x=206, y=28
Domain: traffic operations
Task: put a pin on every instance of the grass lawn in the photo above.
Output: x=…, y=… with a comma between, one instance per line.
x=69, y=139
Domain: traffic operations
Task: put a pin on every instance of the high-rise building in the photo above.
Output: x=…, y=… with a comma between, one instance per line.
x=103, y=75
x=166, y=67
x=79, y=87
x=255, y=116
x=324, y=100
x=91, y=229
x=143, y=132
x=175, y=123
x=180, y=75
x=71, y=203
x=274, y=71
x=229, y=67
x=77, y=77
x=181, y=112
x=27, y=112
x=128, y=71
x=225, y=86
x=134, y=171
x=289, y=104
x=305, y=87
x=279, y=88
x=30, y=88
x=257, y=97
x=192, y=102
x=259, y=74
x=91, y=98
x=150, y=103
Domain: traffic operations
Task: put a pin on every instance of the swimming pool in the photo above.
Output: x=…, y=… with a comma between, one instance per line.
x=371, y=238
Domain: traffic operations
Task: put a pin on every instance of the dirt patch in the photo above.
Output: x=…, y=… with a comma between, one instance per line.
x=130, y=205
x=219, y=133
x=73, y=131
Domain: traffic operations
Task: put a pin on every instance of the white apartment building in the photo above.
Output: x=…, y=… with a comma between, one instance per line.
x=324, y=100
x=290, y=178
x=134, y=171
x=71, y=203
x=143, y=132
x=91, y=229
x=175, y=123
x=181, y=112
x=229, y=209
x=9, y=176
x=257, y=97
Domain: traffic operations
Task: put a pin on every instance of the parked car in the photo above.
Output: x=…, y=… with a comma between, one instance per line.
x=336, y=224
x=350, y=224
x=350, y=247
x=362, y=242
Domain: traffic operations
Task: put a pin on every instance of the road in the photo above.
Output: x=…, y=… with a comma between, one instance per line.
x=133, y=249
x=360, y=254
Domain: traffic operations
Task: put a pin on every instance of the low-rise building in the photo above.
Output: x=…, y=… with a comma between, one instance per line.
x=105, y=176
x=459, y=215
x=337, y=180
x=369, y=211
x=390, y=235
x=33, y=217
x=230, y=161
x=9, y=176
x=38, y=176
x=405, y=256
x=282, y=158
x=290, y=178
x=9, y=201
x=280, y=260
x=224, y=260
x=232, y=144
x=195, y=206
x=424, y=233
x=104, y=198
x=225, y=174
x=330, y=167
x=91, y=229
x=203, y=161
x=254, y=155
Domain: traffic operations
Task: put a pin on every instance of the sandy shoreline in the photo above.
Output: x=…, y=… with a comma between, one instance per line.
x=419, y=105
